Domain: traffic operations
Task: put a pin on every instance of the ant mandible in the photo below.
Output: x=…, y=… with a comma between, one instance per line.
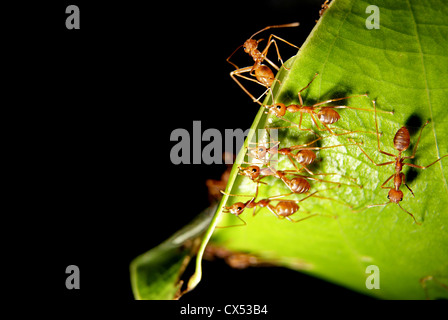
x=401, y=143
x=261, y=72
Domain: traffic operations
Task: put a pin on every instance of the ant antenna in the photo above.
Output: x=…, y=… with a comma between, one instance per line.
x=409, y=214
x=294, y=24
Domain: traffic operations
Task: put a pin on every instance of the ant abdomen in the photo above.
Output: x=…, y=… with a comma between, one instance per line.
x=305, y=157
x=265, y=75
x=402, y=139
x=286, y=208
x=299, y=185
x=328, y=116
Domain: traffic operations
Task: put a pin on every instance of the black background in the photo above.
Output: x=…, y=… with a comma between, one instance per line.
x=104, y=101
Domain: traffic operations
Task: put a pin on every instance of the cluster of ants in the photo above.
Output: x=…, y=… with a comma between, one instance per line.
x=301, y=156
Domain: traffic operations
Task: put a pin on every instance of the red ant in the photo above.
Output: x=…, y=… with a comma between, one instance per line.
x=304, y=156
x=401, y=143
x=283, y=210
x=298, y=184
x=324, y=8
x=262, y=73
x=326, y=114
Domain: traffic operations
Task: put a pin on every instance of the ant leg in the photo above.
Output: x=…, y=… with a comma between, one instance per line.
x=272, y=210
x=238, y=73
x=430, y=278
x=236, y=195
x=416, y=145
x=344, y=98
x=233, y=225
x=228, y=59
x=338, y=174
x=308, y=196
x=349, y=132
x=403, y=177
x=377, y=164
x=415, y=150
x=300, y=97
x=280, y=196
x=288, y=25
x=305, y=145
x=294, y=125
x=260, y=151
x=377, y=134
x=301, y=219
x=354, y=108
x=388, y=179
x=421, y=167
x=272, y=63
x=292, y=162
x=327, y=128
x=319, y=148
x=327, y=198
x=377, y=205
x=409, y=214
x=337, y=183
x=320, y=129
x=385, y=204
x=300, y=125
x=371, y=206
x=278, y=38
x=319, y=174
x=264, y=93
x=276, y=48
x=316, y=214
x=270, y=41
x=325, y=174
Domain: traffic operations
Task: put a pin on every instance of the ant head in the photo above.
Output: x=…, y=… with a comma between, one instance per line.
x=252, y=172
x=259, y=152
x=250, y=45
x=279, y=109
x=395, y=196
x=236, y=208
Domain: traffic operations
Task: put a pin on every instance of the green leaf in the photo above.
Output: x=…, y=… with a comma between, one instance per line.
x=156, y=274
x=404, y=67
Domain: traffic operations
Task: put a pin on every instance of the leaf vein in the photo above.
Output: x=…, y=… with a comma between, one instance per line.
x=427, y=91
